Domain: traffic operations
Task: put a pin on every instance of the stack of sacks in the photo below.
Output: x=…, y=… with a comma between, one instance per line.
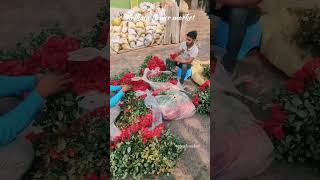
x=138, y=27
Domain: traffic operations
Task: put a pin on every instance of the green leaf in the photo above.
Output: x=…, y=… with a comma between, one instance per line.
x=62, y=145
x=296, y=101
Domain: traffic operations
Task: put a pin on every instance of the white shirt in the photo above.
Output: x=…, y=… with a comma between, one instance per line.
x=187, y=53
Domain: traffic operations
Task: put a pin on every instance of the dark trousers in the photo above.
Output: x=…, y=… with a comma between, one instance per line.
x=184, y=68
x=238, y=19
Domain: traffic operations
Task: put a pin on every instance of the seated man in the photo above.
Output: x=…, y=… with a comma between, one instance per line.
x=187, y=52
x=239, y=14
x=16, y=154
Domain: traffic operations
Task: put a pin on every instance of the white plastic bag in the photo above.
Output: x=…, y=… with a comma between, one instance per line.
x=114, y=130
x=175, y=104
x=152, y=104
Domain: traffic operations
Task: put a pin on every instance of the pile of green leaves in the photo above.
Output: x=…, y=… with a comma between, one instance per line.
x=133, y=107
x=163, y=77
x=206, y=71
x=308, y=33
x=302, y=127
x=144, y=65
x=64, y=132
x=138, y=160
x=59, y=113
x=204, y=102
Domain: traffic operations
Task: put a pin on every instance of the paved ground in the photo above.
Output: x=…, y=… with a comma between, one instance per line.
x=194, y=163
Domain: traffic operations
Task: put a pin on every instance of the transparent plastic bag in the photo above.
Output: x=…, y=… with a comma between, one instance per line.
x=152, y=104
x=114, y=130
x=240, y=148
x=175, y=104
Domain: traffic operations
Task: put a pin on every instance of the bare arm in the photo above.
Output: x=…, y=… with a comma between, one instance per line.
x=189, y=61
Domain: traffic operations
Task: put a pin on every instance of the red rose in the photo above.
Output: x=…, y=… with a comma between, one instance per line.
x=156, y=62
x=173, y=56
x=91, y=176
x=104, y=177
x=55, y=155
x=34, y=136
x=195, y=100
x=126, y=79
x=173, y=81
x=114, y=83
x=205, y=85
x=71, y=152
x=295, y=86
x=278, y=115
x=278, y=133
x=139, y=85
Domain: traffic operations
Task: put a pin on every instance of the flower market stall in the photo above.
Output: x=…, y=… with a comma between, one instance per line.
x=72, y=142
x=144, y=140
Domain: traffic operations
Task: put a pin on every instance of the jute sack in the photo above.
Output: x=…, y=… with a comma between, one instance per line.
x=197, y=69
x=278, y=44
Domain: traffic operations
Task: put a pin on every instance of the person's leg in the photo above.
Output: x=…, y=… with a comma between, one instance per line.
x=238, y=21
x=184, y=69
x=16, y=159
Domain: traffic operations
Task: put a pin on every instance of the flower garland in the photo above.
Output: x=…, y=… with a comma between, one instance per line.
x=294, y=125
x=201, y=99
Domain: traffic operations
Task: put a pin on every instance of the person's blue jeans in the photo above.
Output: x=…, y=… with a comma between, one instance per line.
x=238, y=19
x=184, y=68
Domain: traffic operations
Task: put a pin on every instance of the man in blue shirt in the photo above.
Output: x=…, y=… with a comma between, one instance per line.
x=14, y=120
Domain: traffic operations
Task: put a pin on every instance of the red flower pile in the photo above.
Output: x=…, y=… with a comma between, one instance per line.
x=205, y=85
x=173, y=56
x=306, y=73
x=156, y=132
x=126, y=133
x=156, y=62
x=274, y=126
x=195, y=100
x=88, y=75
x=173, y=81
